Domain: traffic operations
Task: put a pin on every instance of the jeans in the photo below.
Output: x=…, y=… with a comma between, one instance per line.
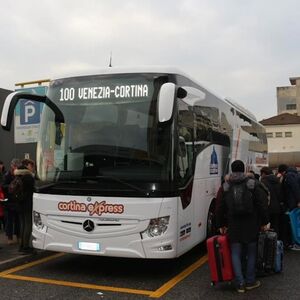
x=244, y=253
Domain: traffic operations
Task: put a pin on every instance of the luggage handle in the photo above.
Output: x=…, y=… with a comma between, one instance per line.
x=220, y=259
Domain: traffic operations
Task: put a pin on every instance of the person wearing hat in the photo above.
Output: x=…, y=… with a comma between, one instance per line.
x=242, y=213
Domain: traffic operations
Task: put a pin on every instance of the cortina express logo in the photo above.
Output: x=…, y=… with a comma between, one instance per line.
x=97, y=208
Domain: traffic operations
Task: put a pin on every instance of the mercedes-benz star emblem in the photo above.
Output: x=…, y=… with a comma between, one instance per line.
x=88, y=225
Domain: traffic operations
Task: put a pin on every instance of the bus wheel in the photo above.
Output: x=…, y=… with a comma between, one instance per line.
x=211, y=222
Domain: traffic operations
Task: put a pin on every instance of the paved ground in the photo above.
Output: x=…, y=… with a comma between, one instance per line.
x=9, y=254
x=7, y=251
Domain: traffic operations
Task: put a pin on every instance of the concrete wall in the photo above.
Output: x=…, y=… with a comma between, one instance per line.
x=289, y=95
x=286, y=95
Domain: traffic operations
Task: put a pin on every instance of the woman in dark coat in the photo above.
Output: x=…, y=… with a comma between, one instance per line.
x=25, y=172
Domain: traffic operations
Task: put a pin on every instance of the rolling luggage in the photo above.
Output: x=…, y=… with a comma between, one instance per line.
x=295, y=224
x=279, y=257
x=269, y=254
x=219, y=259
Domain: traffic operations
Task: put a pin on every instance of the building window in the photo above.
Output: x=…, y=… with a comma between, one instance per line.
x=278, y=134
x=269, y=134
x=288, y=134
x=291, y=107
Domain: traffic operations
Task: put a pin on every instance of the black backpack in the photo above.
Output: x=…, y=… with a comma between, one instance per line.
x=16, y=189
x=239, y=199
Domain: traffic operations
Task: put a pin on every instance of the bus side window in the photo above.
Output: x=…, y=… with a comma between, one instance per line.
x=185, y=149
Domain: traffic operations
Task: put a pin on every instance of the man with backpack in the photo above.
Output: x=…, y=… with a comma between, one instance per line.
x=242, y=213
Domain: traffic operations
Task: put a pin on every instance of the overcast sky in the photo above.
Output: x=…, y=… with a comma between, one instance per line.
x=236, y=48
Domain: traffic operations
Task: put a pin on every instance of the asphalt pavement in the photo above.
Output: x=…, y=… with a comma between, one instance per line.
x=9, y=253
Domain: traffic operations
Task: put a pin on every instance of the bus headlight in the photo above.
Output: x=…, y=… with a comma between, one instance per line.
x=37, y=220
x=157, y=226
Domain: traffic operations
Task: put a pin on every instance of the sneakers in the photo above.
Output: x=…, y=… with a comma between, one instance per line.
x=241, y=288
x=295, y=247
x=251, y=286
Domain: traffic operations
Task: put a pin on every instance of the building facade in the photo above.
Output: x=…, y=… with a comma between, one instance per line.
x=288, y=98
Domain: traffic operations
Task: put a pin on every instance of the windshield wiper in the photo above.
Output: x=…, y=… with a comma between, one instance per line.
x=52, y=184
x=134, y=187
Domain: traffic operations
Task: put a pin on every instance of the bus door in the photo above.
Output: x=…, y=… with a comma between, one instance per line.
x=184, y=175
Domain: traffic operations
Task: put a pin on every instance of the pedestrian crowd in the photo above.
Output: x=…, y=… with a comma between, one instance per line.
x=273, y=196
x=16, y=192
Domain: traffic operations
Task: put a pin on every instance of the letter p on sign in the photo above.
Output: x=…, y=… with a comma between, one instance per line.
x=29, y=112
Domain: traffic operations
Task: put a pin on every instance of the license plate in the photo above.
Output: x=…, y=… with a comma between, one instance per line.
x=89, y=246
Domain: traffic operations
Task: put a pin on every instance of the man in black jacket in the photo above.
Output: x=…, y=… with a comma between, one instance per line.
x=241, y=225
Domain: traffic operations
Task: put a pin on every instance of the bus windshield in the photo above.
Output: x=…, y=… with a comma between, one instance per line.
x=110, y=132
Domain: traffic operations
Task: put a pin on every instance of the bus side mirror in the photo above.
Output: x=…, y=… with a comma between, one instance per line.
x=8, y=110
x=165, y=101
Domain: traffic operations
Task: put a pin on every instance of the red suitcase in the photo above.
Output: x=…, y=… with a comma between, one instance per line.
x=219, y=259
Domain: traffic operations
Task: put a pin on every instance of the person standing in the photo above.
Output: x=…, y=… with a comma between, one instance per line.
x=273, y=184
x=26, y=174
x=291, y=188
x=242, y=212
x=291, y=196
x=12, y=226
x=281, y=172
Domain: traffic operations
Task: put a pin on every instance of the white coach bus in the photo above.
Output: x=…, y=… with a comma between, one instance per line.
x=129, y=161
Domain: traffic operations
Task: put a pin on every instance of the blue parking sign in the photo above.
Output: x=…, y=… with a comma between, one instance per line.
x=29, y=112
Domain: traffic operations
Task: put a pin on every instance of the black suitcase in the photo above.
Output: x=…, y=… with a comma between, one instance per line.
x=266, y=253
